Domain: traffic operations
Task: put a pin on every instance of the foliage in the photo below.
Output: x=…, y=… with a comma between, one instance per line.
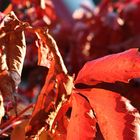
x=97, y=98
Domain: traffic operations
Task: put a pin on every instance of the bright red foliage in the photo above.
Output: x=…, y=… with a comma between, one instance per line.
x=118, y=67
x=82, y=122
x=117, y=118
x=66, y=109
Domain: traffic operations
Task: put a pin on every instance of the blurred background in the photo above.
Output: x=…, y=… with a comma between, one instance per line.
x=83, y=29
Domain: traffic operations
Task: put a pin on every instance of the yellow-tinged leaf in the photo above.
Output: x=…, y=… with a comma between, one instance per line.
x=44, y=136
x=1, y=108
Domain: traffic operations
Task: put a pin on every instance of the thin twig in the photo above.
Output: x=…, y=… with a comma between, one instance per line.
x=10, y=126
x=16, y=118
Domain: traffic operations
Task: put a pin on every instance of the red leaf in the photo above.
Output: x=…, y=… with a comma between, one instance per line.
x=60, y=119
x=57, y=85
x=117, y=67
x=82, y=123
x=43, y=106
x=117, y=118
x=49, y=47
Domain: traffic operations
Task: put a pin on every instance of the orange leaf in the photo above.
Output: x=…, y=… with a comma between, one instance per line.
x=48, y=51
x=117, y=118
x=8, y=9
x=82, y=122
x=117, y=67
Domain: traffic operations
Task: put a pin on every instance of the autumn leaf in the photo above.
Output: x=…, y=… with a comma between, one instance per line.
x=117, y=67
x=117, y=118
x=8, y=9
x=13, y=49
x=50, y=100
x=13, y=42
x=57, y=86
x=49, y=47
x=44, y=55
x=61, y=121
x=43, y=106
x=82, y=123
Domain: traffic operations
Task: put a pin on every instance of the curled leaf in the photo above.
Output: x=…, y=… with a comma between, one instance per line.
x=49, y=47
x=13, y=43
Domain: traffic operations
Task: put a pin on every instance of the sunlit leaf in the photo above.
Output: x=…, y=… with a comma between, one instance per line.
x=82, y=122
x=116, y=67
x=2, y=111
x=13, y=42
x=117, y=118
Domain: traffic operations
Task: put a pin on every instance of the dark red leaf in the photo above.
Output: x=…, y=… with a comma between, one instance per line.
x=117, y=67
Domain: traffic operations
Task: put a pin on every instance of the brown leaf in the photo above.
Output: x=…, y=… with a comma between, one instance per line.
x=13, y=42
x=44, y=54
x=6, y=86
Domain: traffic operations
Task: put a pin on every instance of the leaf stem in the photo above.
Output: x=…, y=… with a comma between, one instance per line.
x=6, y=124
